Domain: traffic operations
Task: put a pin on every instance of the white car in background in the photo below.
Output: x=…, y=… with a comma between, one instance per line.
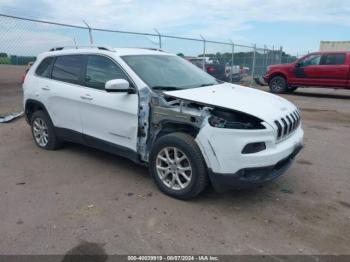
x=163, y=112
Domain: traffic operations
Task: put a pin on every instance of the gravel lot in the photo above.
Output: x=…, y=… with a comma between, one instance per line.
x=53, y=201
x=10, y=88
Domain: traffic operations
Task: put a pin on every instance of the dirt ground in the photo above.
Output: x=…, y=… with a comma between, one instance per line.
x=53, y=201
x=10, y=88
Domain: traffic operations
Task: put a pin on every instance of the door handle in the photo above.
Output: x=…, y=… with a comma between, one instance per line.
x=46, y=88
x=86, y=97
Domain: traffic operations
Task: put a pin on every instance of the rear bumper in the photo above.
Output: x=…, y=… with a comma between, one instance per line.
x=252, y=177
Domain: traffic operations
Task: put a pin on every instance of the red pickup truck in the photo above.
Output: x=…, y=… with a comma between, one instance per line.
x=321, y=69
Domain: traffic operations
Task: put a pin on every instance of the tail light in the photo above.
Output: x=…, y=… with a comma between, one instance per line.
x=24, y=76
x=211, y=69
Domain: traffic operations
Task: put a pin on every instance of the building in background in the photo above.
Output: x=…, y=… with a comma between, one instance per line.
x=335, y=46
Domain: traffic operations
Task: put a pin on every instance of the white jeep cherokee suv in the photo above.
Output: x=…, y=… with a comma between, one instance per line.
x=161, y=111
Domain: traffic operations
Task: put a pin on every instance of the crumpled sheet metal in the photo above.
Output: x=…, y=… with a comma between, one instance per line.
x=10, y=117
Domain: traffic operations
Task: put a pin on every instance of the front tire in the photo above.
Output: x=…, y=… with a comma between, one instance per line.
x=177, y=166
x=278, y=85
x=43, y=131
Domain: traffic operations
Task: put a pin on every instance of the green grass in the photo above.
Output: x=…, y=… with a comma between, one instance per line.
x=5, y=60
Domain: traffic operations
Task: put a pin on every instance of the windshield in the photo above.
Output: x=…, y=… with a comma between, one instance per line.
x=165, y=72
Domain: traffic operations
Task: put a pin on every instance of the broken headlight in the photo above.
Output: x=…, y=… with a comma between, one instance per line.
x=235, y=120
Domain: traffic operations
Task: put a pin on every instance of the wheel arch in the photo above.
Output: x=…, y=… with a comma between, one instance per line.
x=168, y=127
x=172, y=127
x=278, y=74
x=32, y=106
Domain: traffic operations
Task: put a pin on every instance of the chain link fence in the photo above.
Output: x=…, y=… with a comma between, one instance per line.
x=22, y=39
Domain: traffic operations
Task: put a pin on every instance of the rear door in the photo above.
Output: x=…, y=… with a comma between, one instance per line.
x=65, y=91
x=333, y=69
x=109, y=118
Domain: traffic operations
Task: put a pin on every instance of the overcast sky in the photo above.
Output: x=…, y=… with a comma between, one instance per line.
x=297, y=25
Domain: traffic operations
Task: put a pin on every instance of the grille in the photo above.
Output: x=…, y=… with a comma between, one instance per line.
x=287, y=124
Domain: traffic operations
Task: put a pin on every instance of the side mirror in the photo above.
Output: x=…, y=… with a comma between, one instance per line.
x=118, y=85
x=298, y=64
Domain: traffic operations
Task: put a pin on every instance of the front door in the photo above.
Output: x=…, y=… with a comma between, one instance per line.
x=306, y=71
x=110, y=119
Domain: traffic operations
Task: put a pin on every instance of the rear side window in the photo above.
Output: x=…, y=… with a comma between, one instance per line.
x=45, y=67
x=68, y=68
x=99, y=70
x=333, y=59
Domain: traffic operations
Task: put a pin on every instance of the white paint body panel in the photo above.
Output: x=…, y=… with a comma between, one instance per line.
x=222, y=148
x=266, y=106
x=64, y=103
x=111, y=117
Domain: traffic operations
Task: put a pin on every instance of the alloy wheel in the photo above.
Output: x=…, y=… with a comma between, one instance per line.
x=277, y=85
x=40, y=132
x=173, y=168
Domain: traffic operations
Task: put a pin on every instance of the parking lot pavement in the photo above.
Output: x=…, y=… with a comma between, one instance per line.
x=52, y=201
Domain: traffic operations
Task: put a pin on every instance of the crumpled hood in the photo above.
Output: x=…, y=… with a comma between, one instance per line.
x=266, y=106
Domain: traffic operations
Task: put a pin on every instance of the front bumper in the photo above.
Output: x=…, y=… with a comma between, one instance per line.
x=266, y=78
x=251, y=177
x=222, y=151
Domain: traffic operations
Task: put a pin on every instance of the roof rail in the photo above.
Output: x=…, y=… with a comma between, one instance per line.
x=82, y=47
x=151, y=48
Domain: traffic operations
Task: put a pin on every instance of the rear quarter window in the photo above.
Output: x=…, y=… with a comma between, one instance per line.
x=45, y=67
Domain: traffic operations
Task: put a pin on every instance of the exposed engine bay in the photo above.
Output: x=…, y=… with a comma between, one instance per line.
x=165, y=114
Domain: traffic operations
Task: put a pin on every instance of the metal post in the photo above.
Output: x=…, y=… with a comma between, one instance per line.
x=75, y=43
x=253, y=69
x=90, y=32
x=204, y=44
x=159, y=38
x=267, y=57
x=281, y=52
x=232, y=59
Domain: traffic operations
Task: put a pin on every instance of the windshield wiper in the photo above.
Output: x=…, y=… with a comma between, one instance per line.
x=166, y=88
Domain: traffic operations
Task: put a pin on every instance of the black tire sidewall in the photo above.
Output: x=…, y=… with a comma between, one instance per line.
x=195, y=157
x=283, y=88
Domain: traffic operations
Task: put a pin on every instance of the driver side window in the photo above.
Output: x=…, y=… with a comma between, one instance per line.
x=99, y=70
x=310, y=60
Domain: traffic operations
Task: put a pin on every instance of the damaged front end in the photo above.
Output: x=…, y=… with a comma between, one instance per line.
x=167, y=114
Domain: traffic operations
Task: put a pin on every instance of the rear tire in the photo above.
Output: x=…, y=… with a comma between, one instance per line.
x=43, y=131
x=177, y=166
x=278, y=85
